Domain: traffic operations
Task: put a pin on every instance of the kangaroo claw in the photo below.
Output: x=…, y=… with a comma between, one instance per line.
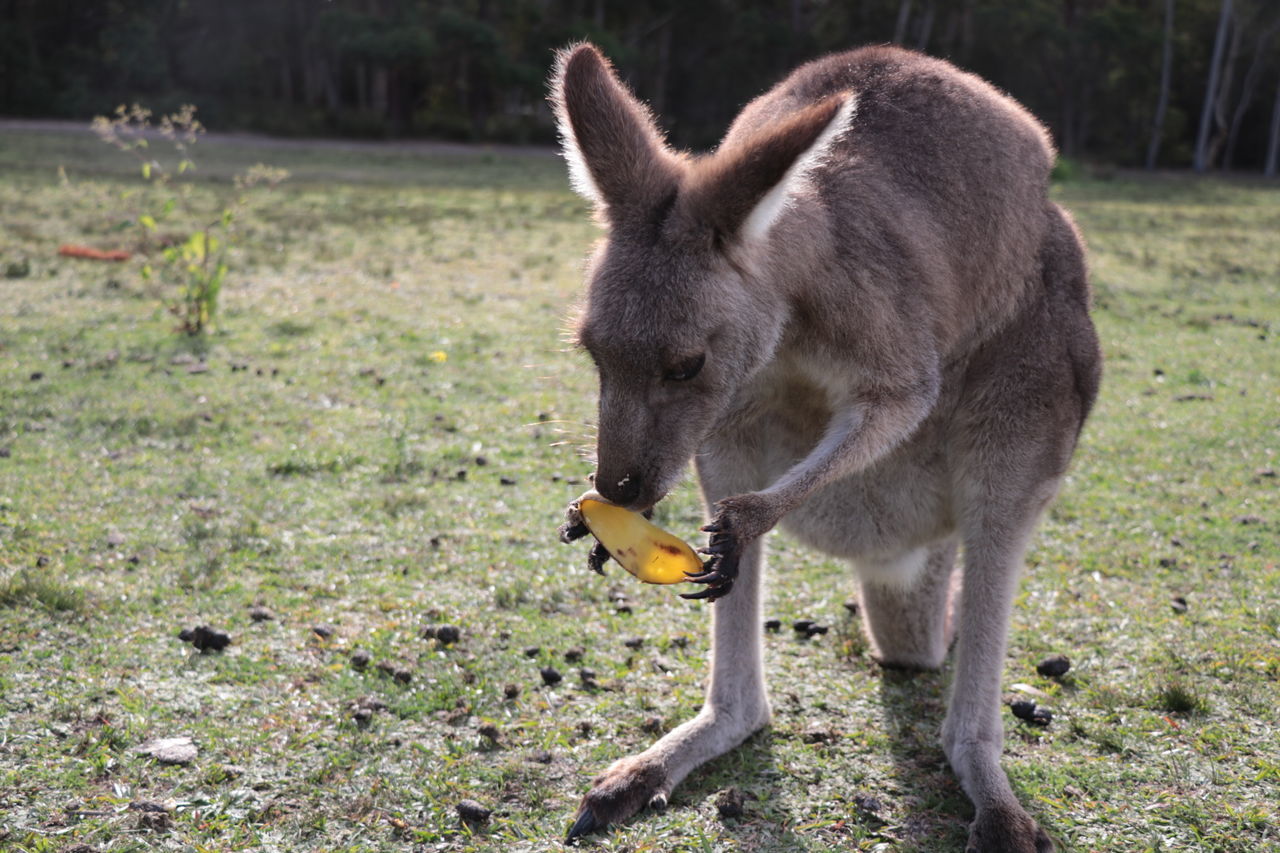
x=584, y=824
x=719, y=546
x=719, y=572
x=572, y=530
x=597, y=557
x=710, y=593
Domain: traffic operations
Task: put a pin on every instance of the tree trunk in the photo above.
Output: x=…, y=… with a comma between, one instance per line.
x=1273, y=139
x=966, y=31
x=904, y=17
x=1222, y=103
x=659, y=102
x=1067, y=132
x=1070, y=83
x=1166, y=71
x=379, y=91
x=362, y=86
x=286, y=81
x=329, y=79
x=947, y=44
x=1247, y=91
x=926, y=27
x=1200, y=162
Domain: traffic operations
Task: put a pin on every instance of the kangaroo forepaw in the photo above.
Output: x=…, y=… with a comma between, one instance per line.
x=739, y=520
x=617, y=794
x=597, y=557
x=1006, y=830
x=718, y=577
x=574, y=528
x=719, y=572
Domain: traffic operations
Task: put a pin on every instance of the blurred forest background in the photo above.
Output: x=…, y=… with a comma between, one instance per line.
x=1160, y=83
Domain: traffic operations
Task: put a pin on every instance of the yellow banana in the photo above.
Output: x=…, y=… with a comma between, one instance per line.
x=647, y=551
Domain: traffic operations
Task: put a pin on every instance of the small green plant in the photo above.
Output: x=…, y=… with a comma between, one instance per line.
x=1178, y=697
x=194, y=262
x=17, y=269
x=29, y=588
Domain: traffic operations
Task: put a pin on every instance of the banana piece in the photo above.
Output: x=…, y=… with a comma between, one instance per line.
x=647, y=551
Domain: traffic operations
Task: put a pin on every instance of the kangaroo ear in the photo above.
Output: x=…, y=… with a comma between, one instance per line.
x=744, y=188
x=616, y=154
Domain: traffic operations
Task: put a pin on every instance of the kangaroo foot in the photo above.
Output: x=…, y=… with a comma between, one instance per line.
x=627, y=786
x=1003, y=829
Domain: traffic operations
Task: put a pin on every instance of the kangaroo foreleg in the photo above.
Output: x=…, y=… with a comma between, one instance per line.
x=736, y=706
x=867, y=429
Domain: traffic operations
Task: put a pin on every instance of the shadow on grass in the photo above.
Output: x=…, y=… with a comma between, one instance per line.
x=753, y=768
x=914, y=706
x=937, y=814
x=923, y=809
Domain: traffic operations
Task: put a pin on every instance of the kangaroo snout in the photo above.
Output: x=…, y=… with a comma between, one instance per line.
x=623, y=491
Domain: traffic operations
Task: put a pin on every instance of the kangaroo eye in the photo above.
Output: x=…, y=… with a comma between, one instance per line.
x=687, y=369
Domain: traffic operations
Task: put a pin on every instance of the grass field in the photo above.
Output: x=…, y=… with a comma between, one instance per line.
x=381, y=435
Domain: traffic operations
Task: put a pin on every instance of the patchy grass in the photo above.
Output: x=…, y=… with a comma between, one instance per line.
x=381, y=435
x=29, y=588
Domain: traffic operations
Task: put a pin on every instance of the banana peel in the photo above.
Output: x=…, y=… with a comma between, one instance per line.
x=642, y=548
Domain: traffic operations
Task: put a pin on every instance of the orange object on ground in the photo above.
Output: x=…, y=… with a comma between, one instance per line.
x=71, y=250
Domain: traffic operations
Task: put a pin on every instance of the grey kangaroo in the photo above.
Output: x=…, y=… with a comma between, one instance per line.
x=863, y=319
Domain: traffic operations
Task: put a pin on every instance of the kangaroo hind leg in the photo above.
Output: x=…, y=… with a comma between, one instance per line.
x=906, y=603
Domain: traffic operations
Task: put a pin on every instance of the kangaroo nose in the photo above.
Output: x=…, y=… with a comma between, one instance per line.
x=621, y=492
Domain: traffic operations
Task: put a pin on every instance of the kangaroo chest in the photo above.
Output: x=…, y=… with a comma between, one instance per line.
x=901, y=502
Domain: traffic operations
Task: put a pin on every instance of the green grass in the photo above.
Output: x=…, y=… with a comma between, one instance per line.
x=389, y=350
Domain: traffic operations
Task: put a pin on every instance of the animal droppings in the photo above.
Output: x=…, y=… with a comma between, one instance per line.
x=447, y=635
x=1031, y=712
x=730, y=803
x=205, y=639
x=471, y=812
x=1054, y=666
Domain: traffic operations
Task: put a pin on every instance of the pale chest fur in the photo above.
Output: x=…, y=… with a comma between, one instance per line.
x=901, y=502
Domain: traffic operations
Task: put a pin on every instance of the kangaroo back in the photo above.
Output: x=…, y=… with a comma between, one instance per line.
x=937, y=190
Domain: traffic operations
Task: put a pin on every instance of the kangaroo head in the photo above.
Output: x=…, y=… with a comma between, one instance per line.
x=679, y=311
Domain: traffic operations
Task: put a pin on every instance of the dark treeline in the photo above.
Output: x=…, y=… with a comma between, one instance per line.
x=1164, y=82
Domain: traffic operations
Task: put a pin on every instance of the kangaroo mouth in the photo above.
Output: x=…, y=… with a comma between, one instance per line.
x=642, y=502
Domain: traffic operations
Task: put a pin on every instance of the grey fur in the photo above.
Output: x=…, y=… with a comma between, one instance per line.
x=896, y=358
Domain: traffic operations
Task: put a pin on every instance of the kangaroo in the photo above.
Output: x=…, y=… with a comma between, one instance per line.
x=863, y=319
